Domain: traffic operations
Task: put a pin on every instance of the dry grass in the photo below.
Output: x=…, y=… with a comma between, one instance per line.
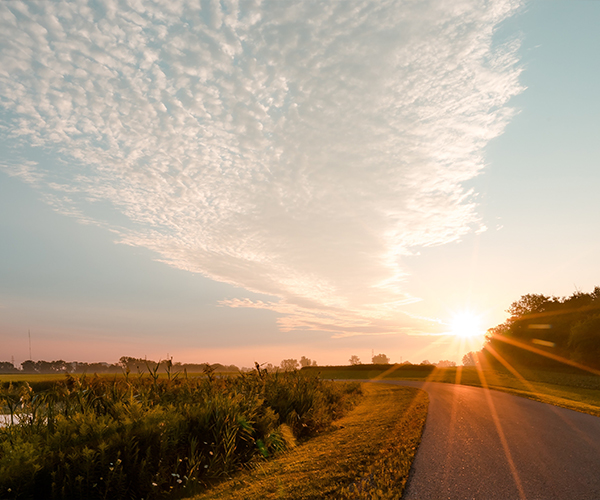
x=367, y=455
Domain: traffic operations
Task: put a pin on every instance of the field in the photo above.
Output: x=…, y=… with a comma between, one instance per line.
x=565, y=387
x=251, y=436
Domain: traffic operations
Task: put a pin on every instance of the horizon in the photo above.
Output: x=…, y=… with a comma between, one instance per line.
x=233, y=184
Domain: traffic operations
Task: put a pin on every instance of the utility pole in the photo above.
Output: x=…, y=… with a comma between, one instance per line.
x=29, y=332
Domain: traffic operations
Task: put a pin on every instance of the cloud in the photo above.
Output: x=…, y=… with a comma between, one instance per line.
x=297, y=149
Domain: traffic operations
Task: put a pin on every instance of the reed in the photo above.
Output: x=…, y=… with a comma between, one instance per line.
x=155, y=437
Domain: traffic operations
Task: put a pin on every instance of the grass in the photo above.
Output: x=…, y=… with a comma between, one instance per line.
x=572, y=390
x=53, y=377
x=31, y=377
x=567, y=387
x=367, y=455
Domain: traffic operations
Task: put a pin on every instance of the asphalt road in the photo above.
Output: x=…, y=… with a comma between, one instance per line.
x=482, y=444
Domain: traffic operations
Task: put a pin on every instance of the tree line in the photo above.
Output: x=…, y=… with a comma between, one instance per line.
x=141, y=365
x=125, y=364
x=543, y=328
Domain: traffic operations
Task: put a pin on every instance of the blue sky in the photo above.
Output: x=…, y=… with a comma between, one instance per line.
x=242, y=181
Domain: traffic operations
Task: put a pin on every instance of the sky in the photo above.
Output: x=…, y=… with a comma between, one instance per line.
x=243, y=181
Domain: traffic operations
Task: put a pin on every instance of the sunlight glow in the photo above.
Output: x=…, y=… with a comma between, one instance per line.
x=466, y=324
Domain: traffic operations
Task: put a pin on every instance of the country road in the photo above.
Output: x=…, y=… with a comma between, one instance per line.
x=481, y=444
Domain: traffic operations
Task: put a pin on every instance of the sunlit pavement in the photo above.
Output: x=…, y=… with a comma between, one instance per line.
x=485, y=444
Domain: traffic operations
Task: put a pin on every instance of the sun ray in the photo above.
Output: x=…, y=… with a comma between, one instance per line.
x=501, y=436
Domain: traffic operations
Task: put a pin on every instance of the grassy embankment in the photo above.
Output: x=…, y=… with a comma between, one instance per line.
x=561, y=386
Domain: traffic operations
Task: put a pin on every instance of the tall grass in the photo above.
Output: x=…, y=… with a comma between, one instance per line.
x=151, y=437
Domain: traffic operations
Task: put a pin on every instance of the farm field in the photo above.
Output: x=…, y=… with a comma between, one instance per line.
x=365, y=443
x=568, y=388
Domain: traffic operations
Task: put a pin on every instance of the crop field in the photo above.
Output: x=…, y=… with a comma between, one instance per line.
x=30, y=377
x=154, y=437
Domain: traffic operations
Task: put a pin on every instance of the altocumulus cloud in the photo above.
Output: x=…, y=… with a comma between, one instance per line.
x=297, y=149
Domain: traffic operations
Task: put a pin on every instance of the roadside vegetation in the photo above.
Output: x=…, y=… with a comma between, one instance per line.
x=367, y=455
x=147, y=436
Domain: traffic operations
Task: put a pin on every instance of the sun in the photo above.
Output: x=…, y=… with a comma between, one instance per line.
x=466, y=324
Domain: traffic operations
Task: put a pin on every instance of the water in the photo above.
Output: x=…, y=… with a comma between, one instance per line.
x=5, y=420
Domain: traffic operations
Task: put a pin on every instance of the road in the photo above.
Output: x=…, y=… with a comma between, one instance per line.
x=482, y=444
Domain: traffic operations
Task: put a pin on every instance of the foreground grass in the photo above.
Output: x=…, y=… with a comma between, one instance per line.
x=567, y=388
x=367, y=455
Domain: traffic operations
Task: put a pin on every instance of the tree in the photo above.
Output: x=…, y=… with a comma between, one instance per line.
x=470, y=359
x=7, y=367
x=380, y=359
x=289, y=365
x=304, y=361
x=425, y=362
x=584, y=341
x=445, y=363
x=28, y=366
x=354, y=360
x=531, y=303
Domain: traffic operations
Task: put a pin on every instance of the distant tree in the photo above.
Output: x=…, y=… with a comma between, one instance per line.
x=304, y=361
x=28, y=366
x=354, y=360
x=314, y=363
x=380, y=359
x=7, y=367
x=470, y=359
x=445, y=363
x=289, y=364
x=425, y=362
x=136, y=364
